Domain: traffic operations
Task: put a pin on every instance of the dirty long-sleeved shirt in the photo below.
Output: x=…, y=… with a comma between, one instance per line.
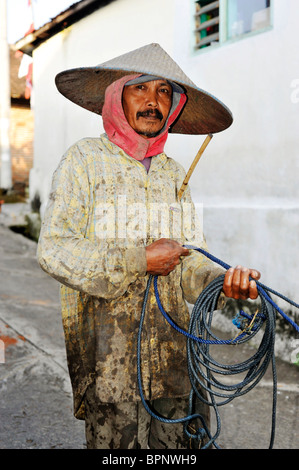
x=104, y=208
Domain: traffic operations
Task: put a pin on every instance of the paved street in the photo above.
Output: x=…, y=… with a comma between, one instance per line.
x=35, y=394
x=35, y=398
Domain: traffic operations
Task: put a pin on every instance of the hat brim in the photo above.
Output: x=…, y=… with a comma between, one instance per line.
x=202, y=114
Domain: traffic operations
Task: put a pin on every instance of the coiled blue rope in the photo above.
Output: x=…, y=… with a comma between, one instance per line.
x=203, y=369
x=263, y=290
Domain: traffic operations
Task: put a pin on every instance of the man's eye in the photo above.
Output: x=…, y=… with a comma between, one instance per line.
x=164, y=90
x=140, y=87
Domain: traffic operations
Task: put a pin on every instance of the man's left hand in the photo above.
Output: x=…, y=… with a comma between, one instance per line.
x=237, y=284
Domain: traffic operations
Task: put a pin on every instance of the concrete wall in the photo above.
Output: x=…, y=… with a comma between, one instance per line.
x=247, y=179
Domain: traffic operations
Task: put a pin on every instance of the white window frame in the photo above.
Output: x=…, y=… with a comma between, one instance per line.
x=223, y=29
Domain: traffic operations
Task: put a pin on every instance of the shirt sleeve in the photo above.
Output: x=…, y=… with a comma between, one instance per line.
x=65, y=252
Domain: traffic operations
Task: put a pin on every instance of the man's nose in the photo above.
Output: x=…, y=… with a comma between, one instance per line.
x=151, y=99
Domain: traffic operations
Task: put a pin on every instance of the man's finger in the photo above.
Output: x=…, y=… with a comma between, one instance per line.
x=244, y=283
x=255, y=274
x=227, y=284
x=185, y=251
x=236, y=282
x=253, y=292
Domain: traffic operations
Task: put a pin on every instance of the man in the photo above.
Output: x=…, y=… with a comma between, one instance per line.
x=104, y=233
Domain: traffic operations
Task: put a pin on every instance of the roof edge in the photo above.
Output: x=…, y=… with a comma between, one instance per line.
x=63, y=20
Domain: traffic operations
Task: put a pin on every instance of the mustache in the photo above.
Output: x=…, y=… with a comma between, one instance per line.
x=150, y=112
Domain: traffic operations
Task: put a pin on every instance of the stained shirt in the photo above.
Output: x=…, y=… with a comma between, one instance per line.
x=104, y=208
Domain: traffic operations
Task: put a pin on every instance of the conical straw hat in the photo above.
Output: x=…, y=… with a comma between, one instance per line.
x=203, y=113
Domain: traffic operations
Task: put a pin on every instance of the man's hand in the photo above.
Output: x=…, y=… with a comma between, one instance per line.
x=237, y=284
x=163, y=255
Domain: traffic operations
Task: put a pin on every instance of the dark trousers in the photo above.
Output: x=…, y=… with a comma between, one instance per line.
x=130, y=426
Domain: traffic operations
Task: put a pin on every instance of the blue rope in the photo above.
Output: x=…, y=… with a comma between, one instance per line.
x=202, y=368
x=262, y=289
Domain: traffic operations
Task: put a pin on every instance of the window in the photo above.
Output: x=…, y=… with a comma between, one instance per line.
x=244, y=17
x=206, y=23
x=229, y=19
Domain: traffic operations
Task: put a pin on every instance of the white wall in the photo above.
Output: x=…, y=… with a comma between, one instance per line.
x=248, y=176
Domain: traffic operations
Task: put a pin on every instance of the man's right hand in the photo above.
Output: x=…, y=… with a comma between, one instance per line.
x=163, y=255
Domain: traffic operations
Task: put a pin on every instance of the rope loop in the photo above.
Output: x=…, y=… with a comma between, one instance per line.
x=208, y=377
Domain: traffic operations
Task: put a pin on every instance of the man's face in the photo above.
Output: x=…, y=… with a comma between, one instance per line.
x=147, y=105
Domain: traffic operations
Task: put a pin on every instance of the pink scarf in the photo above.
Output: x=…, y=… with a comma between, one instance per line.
x=121, y=133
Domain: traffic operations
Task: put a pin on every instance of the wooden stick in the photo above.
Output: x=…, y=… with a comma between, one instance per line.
x=193, y=165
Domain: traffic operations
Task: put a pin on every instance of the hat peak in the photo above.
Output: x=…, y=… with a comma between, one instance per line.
x=151, y=59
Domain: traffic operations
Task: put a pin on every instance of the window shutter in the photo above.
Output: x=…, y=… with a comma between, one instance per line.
x=206, y=23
